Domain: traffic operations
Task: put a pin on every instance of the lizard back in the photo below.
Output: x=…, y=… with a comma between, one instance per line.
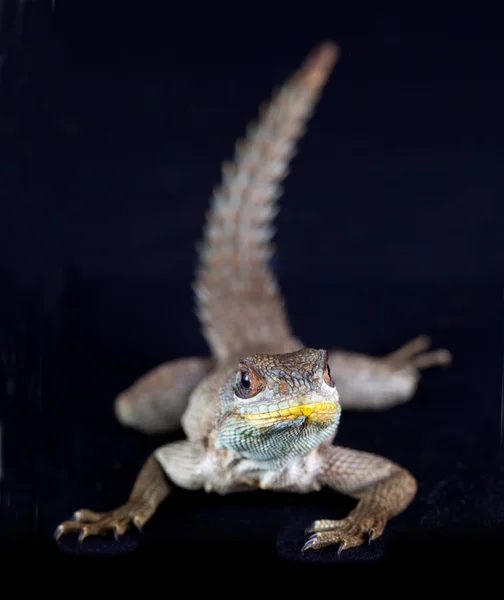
x=238, y=300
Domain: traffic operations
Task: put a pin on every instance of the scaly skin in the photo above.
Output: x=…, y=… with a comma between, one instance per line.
x=263, y=411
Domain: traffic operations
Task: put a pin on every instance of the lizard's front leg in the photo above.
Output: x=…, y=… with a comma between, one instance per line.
x=383, y=489
x=150, y=489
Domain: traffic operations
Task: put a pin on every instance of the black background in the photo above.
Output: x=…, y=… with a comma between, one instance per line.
x=114, y=120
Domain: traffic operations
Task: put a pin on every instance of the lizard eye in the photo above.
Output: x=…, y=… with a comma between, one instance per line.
x=327, y=377
x=249, y=384
x=245, y=380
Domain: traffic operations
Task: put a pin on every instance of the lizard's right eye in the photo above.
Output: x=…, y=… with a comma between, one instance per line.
x=245, y=380
x=249, y=384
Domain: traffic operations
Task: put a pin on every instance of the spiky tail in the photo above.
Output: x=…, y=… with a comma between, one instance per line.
x=238, y=299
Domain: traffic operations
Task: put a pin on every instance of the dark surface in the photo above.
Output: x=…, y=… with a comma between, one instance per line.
x=391, y=225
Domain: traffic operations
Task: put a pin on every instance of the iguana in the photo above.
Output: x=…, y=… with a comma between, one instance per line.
x=263, y=411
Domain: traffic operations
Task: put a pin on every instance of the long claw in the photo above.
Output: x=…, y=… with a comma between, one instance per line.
x=309, y=543
x=83, y=535
x=341, y=548
x=137, y=522
x=58, y=532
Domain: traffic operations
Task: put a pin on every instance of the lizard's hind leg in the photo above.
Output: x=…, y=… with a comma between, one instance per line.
x=378, y=383
x=415, y=353
x=155, y=402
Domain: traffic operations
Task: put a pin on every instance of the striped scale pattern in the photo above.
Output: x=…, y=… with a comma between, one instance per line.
x=237, y=297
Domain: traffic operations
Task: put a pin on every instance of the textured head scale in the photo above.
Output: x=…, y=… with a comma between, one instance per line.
x=279, y=405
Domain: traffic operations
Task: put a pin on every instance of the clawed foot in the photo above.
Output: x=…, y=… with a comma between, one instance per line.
x=416, y=353
x=348, y=533
x=87, y=522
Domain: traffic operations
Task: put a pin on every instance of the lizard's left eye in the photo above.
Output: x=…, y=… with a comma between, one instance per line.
x=327, y=377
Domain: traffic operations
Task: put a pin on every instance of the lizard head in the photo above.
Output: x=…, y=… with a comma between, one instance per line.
x=280, y=405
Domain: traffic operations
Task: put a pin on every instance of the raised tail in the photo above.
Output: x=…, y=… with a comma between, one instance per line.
x=238, y=298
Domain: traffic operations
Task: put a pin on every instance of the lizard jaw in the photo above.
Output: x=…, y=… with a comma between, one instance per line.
x=315, y=412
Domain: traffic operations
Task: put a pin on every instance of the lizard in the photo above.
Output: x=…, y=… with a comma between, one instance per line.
x=263, y=410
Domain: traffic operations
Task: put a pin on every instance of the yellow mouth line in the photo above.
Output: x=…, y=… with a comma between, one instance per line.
x=317, y=411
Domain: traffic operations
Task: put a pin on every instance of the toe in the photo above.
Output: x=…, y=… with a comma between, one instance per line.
x=59, y=531
x=121, y=526
x=67, y=527
x=87, y=516
x=324, y=525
